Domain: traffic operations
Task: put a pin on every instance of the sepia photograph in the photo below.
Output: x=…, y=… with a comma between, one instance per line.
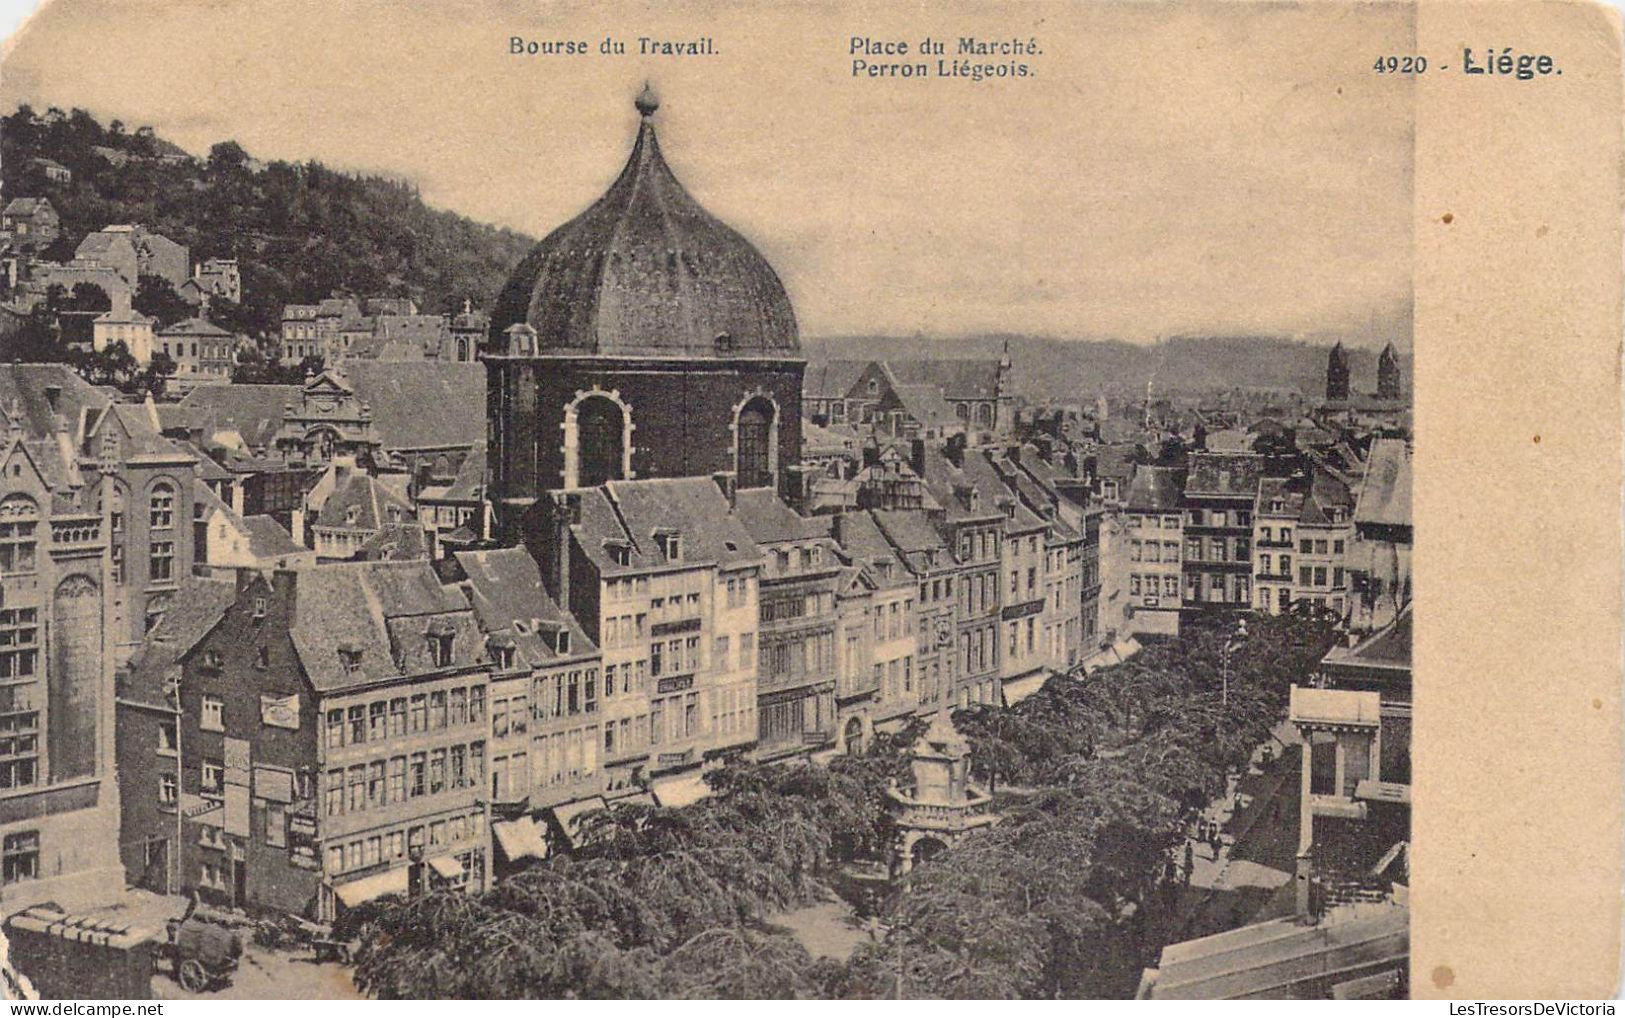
x=612, y=501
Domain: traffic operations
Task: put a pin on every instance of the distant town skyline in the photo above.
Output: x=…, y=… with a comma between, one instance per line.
x=1192, y=172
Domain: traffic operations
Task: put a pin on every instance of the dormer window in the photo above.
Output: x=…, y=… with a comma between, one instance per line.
x=352, y=514
x=350, y=658
x=670, y=543
x=440, y=636
x=260, y=607
x=620, y=553
x=1277, y=505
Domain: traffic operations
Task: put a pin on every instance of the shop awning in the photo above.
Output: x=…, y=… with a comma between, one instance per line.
x=520, y=839
x=569, y=814
x=680, y=790
x=1017, y=690
x=357, y=892
x=447, y=866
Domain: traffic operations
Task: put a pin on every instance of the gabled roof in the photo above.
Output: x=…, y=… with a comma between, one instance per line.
x=197, y=326
x=396, y=542
x=193, y=610
x=631, y=512
x=1224, y=474
x=22, y=393
x=401, y=392
x=926, y=404
x=383, y=611
x=361, y=502
x=506, y=591
x=910, y=531
x=253, y=411
x=832, y=379
x=1388, y=647
x=1385, y=497
x=767, y=518
x=958, y=379
x=860, y=537
x=1154, y=489
x=267, y=539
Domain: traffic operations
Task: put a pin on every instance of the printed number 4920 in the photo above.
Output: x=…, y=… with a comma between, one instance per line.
x=1400, y=65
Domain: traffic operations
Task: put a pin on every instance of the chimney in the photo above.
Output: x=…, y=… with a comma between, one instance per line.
x=728, y=484
x=871, y=454
x=916, y=456
x=956, y=450
x=563, y=510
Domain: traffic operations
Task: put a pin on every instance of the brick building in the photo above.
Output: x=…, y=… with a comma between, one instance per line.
x=308, y=740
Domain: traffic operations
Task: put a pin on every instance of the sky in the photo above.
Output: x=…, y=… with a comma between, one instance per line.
x=1165, y=170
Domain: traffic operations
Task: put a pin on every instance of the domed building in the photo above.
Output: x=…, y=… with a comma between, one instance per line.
x=644, y=338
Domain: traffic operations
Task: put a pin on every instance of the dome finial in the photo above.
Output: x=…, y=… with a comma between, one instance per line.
x=647, y=102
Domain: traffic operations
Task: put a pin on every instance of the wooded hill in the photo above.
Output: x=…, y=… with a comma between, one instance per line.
x=300, y=231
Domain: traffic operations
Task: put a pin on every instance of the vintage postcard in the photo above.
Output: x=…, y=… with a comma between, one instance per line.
x=1086, y=499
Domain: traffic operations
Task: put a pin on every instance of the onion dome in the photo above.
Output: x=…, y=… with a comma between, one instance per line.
x=646, y=271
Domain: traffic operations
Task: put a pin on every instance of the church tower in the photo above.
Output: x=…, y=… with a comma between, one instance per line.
x=1388, y=374
x=1337, y=373
x=644, y=338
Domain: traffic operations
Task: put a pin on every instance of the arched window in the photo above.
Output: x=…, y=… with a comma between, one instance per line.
x=601, y=440
x=984, y=414
x=161, y=506
x=19, y=519
x=462, y=349
x=754, y=451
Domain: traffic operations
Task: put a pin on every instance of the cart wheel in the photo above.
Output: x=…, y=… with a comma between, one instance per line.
x=193, y=976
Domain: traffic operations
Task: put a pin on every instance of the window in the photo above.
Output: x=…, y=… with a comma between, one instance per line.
x=162, y=563
x=397, y=716
x=161, y=506
x=440, y=649
x=358, y=724
x=395, y=783
x=1306, y=546
x=214, y=777
x=167, y=790
x=377, y=721
x=334, y=793
x=1337, y=547
x=19, y=857
x=19, y=643
x=19, y=519
x=166, y=737
x=213, y=718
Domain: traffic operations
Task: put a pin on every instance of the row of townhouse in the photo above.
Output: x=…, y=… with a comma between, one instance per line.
x=306, y=739
x=1218, y=535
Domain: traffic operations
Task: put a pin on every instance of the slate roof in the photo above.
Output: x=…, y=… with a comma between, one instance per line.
x=1291, y=495
x=505, y=588
x=267, y=539
x=1154, y=489
x=913, y=535
x=22, y=391
x=1385, y=496
x=831, y=379
x=768, y=520
x=1325, y=492
x=395, y=542
x=958, y=379
x=1388, y=647
x=382, y=609
x=370, y=498
x=859, y=536
x=926, y=404
x=193, y=610
x=632, y=511
x=253, y=411
x=1224, y=474
x=196, y=326
x=400, y=393
x=646, y=270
